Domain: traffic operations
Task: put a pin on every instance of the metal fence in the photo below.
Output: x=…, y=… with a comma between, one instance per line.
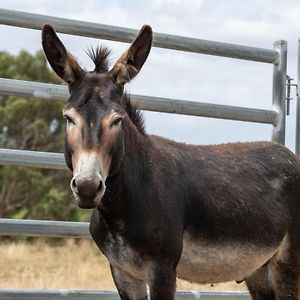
x=276, y=56
x=276, y=117
x=110, y=295
x=297, y=148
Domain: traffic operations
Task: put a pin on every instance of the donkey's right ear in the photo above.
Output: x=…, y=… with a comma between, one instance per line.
x=61, y=61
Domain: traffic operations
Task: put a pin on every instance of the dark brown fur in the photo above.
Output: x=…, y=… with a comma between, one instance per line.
x=170, y=209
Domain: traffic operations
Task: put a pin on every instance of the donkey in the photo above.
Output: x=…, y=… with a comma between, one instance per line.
x=164, y=210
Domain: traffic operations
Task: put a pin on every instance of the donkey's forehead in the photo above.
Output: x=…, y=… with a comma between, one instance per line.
x=93, y=79
x=95, y=86
x=96, y=91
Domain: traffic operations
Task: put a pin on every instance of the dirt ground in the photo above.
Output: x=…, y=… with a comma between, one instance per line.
x=73, y=265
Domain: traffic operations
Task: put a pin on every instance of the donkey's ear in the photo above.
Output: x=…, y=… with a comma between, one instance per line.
x=131, y=62
x=62, y=62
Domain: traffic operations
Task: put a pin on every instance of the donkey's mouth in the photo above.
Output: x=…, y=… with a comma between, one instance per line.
x=88, y=203
x=85, y=205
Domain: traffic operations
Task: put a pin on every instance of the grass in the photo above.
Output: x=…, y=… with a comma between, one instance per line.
x=73, y=265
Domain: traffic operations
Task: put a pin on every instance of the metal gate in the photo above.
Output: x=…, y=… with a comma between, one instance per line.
x=276, y=56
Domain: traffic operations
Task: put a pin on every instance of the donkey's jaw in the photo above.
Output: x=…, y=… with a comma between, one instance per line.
x=86, y=205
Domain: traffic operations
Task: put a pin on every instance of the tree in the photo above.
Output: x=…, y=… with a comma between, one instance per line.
x=32, y=124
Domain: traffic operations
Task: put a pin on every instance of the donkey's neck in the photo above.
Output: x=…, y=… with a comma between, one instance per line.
x=135, y=170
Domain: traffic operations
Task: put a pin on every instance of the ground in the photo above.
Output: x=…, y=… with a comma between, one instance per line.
x=72, y=265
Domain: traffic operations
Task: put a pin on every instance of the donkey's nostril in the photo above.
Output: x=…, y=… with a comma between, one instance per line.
x=74, y=183
x=74, y=186
x=100, y=186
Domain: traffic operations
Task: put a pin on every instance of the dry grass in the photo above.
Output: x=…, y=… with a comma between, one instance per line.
x=74, y=265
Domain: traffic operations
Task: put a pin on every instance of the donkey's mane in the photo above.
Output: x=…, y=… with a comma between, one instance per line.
x=100, y=57
x=134, y=113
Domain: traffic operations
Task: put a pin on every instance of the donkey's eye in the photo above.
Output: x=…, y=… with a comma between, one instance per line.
x=69, y=120
x=116, y=121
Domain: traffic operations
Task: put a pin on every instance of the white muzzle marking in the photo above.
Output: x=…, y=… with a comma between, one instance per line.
x=88, y=167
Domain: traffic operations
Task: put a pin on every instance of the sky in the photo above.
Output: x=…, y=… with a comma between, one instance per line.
x=180, y=75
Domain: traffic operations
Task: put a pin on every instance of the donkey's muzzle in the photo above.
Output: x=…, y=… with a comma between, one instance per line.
x=87, y=191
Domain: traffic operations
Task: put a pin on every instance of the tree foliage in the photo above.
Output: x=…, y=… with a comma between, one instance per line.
x=32, y=124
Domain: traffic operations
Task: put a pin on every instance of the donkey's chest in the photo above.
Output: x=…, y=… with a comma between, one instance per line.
x=207, y=262
x=123, y=256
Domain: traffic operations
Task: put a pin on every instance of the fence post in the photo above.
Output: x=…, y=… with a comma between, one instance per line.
x=279, y=91
x=297, y=146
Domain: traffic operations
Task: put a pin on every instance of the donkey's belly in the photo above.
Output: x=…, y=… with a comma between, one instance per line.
x=204, y=262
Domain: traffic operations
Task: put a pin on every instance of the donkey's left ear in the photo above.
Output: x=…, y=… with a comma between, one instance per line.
x=131, y=62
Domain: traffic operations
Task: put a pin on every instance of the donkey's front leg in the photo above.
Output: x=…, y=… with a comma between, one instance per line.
x=163, y=282
x=129, y=288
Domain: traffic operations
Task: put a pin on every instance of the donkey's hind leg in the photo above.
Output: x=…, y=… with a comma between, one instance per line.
x=285, y=270
x=259, y=284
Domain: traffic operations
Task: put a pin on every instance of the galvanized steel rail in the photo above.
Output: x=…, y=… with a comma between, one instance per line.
x=297, y=134
x=37, y=159
x=121, y=34
x=110, y=295
x=60, y=92
x=44, y=228
x=279, y=91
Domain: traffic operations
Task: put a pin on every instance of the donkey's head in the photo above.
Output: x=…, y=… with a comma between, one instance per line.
x=94, y=112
